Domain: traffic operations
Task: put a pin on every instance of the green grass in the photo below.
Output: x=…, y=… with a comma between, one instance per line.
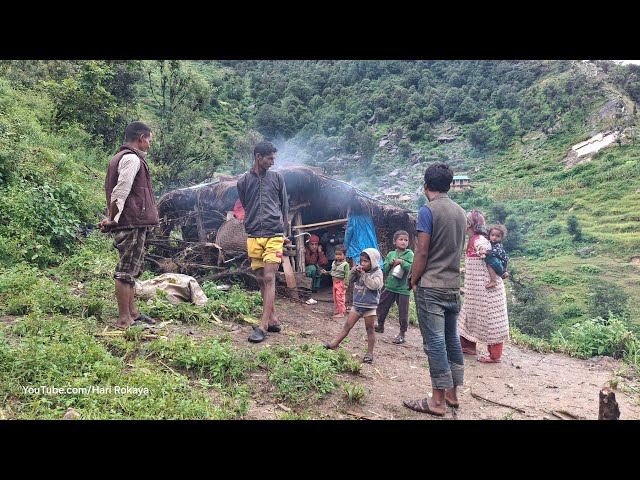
x=305, y=373
x=63, y=353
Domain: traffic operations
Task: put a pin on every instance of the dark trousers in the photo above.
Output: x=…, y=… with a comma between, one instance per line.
x=387, y=299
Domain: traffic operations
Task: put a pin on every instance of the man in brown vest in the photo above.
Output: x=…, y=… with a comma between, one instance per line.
x=132, y=210
x=435, y=281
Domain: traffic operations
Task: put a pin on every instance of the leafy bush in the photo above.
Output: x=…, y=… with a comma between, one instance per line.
x=589, y=269
x=596, y=336
x=530, y=312
x=354, y=393
x=607, y=299
x=306, y=370
x=572, y=311
x=554, y=229
x=214, y=357
x=25, y=290
x=574, y=228
x=554, y=278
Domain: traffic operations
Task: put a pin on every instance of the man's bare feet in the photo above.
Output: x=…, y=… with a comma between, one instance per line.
x=490, y=284
x=123, y=324
x=451, y=397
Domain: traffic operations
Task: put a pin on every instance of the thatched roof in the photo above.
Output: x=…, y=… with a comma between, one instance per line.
x=329, y=199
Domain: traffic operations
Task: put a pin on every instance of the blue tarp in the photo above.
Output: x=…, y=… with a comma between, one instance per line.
x=360, y=234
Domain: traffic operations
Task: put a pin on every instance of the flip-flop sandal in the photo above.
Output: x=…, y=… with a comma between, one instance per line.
x=399, y=340
x=136, y=323
x=368, y=358
x=145, y=318
x=258, y=335
x=274, y=328
x=421, y=406
x=488, y=360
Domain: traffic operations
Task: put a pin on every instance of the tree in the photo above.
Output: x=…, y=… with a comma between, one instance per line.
x=467, y=112
x=183, y=143
x=366, y=146
x=507, y=129
x=452, y=101
x=243, y=147
x=478, y=135
x=606, y=298
x=573, y=227
x=98, y=97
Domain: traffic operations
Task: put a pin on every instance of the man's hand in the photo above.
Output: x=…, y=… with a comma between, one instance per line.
x=106, y=225
x=320, y=248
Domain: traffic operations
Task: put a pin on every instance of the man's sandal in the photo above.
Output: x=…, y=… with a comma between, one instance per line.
x=145, y=318
x=399, y=340
x=368, y=358
x=421, y=406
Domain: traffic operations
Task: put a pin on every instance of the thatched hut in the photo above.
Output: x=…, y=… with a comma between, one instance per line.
x=315, y=200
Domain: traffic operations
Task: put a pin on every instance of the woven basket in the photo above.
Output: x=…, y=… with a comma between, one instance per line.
x=232, y=237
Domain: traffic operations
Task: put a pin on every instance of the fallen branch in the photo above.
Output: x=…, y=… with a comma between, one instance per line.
x=167, y=366
x=568, y=414
x=245, y=274
x=475, y=395
x=359, y=415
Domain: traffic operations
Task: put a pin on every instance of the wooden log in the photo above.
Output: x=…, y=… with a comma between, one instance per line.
x=321, y=224
x=290, y=277
x=609, y=409
x=302, y=281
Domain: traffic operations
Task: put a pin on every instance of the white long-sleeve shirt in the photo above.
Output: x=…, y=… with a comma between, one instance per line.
x=127, y=170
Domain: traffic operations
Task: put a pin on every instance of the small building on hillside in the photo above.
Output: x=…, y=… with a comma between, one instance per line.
x=460, y=182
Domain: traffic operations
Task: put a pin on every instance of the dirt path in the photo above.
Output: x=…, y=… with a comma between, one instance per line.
x=534, y=385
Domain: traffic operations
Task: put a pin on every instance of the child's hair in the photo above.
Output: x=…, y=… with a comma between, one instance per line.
x=499, y=227
x=365, y=255
x=398, y=233
x=340, y=248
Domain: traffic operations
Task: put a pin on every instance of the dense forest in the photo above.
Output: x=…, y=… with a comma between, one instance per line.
x=574, y=229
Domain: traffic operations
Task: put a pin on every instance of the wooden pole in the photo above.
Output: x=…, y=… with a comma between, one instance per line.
x=321, y=224
x=297, y=220
x=609, y=409
x=202, y=234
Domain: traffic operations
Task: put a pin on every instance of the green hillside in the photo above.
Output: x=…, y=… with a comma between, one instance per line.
x=574, y=226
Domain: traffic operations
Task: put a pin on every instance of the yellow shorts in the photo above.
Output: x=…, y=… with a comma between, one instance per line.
x=264, y=250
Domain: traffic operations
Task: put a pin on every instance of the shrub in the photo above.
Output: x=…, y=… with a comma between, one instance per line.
x=596, y=336
x=607, y=299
